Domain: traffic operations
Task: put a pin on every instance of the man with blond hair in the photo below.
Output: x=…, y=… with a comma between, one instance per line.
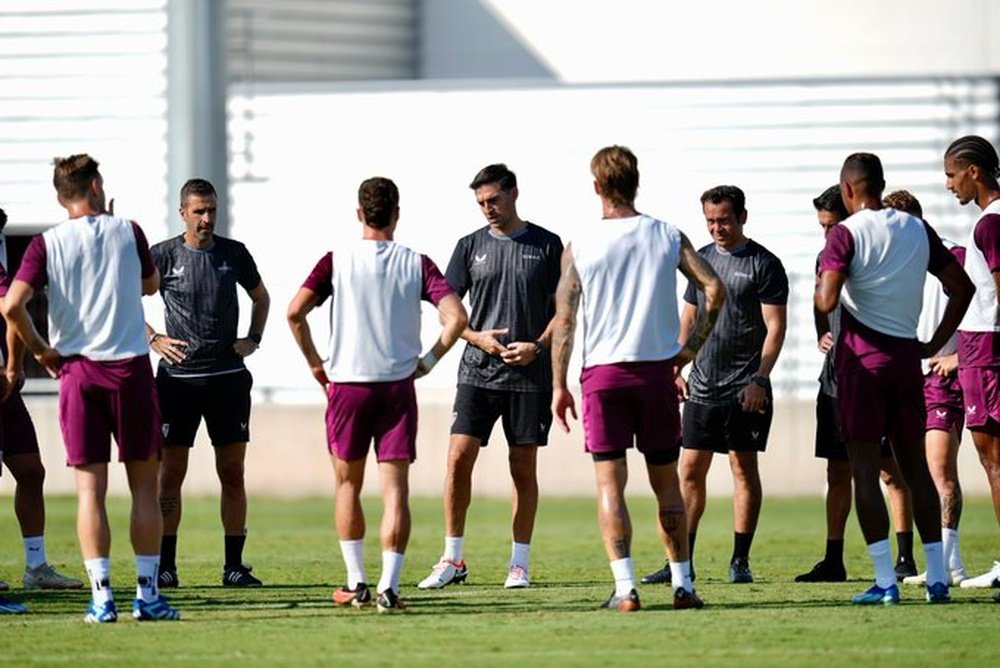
x=623, y=269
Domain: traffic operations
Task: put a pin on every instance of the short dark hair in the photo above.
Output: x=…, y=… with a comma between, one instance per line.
x=864, y=168
x=72, y=176
x=198, y=188
x=498, y=174
x=974, y=150
x=830, y=200
x=904, y=200
x=616, y=171
x=3, y=219
x=730, y=194
x=378, y=198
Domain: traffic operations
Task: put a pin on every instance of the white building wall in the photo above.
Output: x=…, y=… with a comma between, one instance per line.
x=782, y=143
x=723, y=40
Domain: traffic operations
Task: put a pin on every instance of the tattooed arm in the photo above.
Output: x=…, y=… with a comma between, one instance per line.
x=700, y=272
x=563, y=328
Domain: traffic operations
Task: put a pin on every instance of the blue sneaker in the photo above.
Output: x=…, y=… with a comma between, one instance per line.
x=104, y=614
x=158, y=610
x=876, y=595
x=9, y=607
x=938, y=593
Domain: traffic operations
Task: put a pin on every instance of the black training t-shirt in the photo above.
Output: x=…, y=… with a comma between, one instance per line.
x=511, y=282
x=200, y=301
x=731, y=355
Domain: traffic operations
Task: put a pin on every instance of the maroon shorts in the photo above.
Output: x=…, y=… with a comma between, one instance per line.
x=886, y=399
x=981, y=394
x=98, y=400
x=17, y=431
x=358, y=413
x=943, y=396
x=632, y=402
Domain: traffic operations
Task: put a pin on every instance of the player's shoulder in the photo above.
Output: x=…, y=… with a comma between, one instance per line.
x=168, y=245
x=545, y=233
x=227, y=243
x=761, y=252
x=470, y=239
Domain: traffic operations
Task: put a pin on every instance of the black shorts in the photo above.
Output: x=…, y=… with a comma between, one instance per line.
x=726, y=428
x=829, y=443
x=526, y=416
x=223, y=400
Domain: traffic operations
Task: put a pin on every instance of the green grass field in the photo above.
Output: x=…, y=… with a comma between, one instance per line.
x=291, y=621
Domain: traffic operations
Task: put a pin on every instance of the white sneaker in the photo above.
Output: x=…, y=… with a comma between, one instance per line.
x=444, y=573
x=957, y=575
x=989, y=579
x=46, y=577
x=517, y=578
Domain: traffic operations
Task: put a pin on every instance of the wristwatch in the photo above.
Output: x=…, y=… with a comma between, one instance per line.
x=255, y=338
x=539, y=348
x=763, y=381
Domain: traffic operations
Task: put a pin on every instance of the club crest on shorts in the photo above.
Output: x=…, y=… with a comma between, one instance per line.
x=165, y=429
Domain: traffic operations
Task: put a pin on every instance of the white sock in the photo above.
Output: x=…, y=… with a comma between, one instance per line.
x=34, y=551
x=952, y=553
x=934, y=555
x=146, y=572
x=99, y=572
x=519, y=554
x=454, y=548
x=354, y=558
x=881, y=554
x=624, y=576
x=392, y=565
x=680, y=575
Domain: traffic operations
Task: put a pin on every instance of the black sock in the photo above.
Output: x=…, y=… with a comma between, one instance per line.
x=168, y=552
x=904, y=540
x=834, y=551
x=234, y=550
x=741, y=545
x=691, y=537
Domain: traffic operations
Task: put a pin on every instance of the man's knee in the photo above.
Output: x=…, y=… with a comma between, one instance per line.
x=462, y=453
x=744, y=467
x=27, y=470
x=523, y=464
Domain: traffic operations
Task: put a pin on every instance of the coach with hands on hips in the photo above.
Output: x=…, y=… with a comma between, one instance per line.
x=201, y=373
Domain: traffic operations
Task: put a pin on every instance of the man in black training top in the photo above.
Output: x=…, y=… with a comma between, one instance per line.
x=510, y=268
x=729, y=403
x=201, y=371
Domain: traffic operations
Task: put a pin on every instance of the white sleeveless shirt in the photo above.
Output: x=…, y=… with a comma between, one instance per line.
x=95, y=289
x=628, y=274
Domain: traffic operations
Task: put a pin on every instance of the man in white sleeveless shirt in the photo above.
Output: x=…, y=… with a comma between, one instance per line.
x=376, y=287
x=623, y=268
x=878, y=257
x=971, y=167
x=95, y=268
